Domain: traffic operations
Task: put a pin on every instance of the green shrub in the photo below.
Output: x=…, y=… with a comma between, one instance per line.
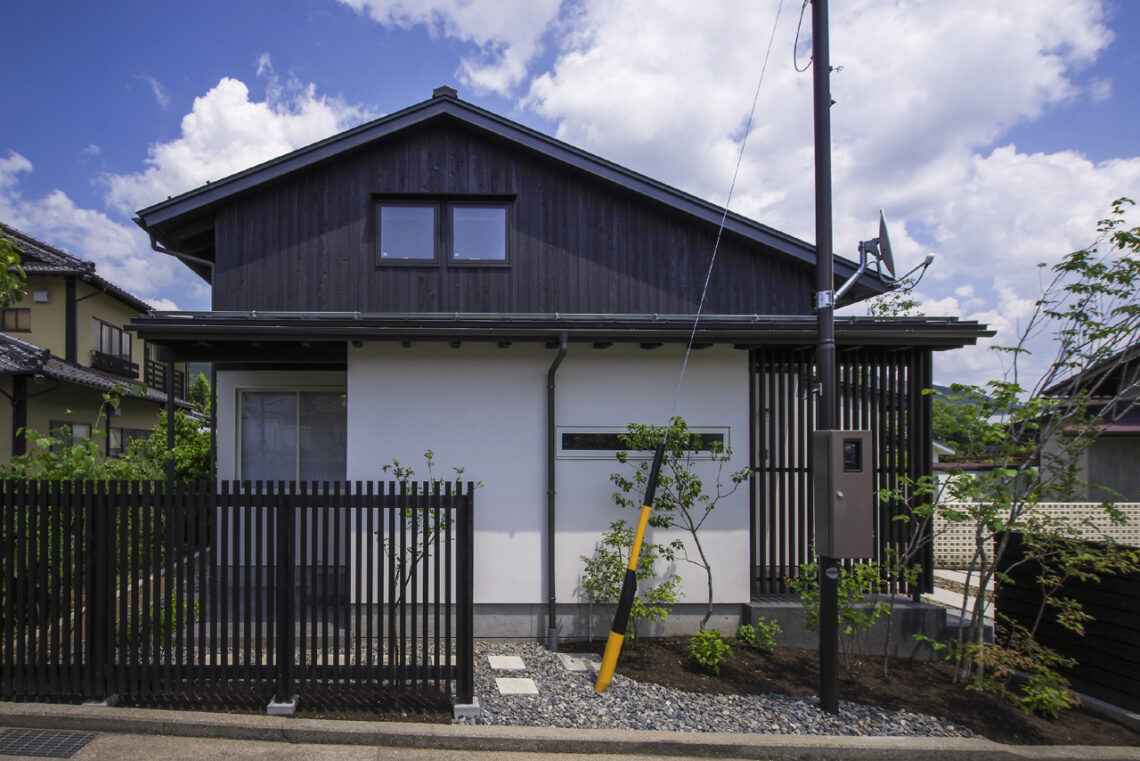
x=605, y=570
x=708, y=650
x=762, y=635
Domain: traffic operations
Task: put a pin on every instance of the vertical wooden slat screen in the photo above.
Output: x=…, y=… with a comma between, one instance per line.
x=880, y=390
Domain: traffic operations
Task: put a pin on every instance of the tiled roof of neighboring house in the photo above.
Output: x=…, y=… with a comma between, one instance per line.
x=22, y=358
x=39, y=258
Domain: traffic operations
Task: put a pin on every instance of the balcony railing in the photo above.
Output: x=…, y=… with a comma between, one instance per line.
x=154, y=375
x=112, y=364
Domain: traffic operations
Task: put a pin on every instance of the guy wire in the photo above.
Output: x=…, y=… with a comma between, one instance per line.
x=723, y=218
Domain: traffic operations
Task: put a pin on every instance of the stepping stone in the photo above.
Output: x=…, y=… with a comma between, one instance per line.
x=516, y=686
x=580, y=661
x=506, y=662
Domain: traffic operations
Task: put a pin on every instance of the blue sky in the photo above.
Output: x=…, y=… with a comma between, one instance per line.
x=993, y=134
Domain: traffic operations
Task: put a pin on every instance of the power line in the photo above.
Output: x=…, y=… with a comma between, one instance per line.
x=724, y=216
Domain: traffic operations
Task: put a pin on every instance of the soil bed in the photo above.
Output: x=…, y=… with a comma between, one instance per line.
x=918, y=686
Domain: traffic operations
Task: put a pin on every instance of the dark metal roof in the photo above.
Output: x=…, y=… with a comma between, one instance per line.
x=180, y=219
x=39, y=258
x=1115, y=375
x=322, y=335
x=22, y=358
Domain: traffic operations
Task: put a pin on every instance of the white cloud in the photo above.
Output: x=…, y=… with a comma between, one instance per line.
x=120, y=251
x=926, y=91
x=226, y=131
x=506, y=34
x=161, y=96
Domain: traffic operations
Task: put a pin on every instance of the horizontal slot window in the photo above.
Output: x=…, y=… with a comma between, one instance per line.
x=602, y=443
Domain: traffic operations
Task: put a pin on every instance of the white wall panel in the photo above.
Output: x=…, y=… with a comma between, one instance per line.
x=484, y=408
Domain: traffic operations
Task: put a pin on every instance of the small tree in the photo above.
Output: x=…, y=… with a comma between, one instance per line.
x=199, y=394
x=425, y=530
x=12, y=278
x=682, y=501
x=191, y=451
x=1036, y=434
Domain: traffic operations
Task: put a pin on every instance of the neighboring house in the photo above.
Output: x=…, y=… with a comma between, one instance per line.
x=444, y=278
x=64, y=345
x=1111, y=465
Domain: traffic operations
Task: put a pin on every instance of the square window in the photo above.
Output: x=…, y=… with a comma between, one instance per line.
x=18, y=319
x=407, y=233
x=478, y=233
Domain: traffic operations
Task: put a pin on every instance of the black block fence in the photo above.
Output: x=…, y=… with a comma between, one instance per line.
x=1108, y=655
x=215, y=589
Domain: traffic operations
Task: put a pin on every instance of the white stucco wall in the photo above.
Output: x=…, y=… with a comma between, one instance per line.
x=484, y=408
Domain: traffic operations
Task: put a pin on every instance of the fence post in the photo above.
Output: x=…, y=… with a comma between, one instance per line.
x=101, y=592
x=284, y=701
x=465, y=583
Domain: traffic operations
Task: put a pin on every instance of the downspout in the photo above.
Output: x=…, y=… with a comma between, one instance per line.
x=178, y=254
x=71, y=322
x=551, y=449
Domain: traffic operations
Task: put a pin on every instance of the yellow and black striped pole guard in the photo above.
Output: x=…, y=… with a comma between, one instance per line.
x=629, y=584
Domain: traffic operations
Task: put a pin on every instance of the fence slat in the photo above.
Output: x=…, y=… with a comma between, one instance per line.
x=212, y=589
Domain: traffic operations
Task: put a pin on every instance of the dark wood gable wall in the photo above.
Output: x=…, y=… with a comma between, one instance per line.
x=308, y=242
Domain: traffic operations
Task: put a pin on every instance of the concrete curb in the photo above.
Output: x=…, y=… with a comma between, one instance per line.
x=532, y=739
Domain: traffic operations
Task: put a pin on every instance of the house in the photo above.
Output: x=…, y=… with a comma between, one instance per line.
x=1110, y=393
x=64, y=346
x=444, y=278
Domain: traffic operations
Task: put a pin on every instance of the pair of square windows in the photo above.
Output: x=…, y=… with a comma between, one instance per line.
x=411, y=233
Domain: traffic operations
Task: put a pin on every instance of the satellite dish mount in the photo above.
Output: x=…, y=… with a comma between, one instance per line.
x=879, y=249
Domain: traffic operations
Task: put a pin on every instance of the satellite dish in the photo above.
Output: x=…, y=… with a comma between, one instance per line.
x=884, y=252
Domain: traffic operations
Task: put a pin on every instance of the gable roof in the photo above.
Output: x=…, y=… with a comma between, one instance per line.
x=39, y=258
x=183, y=224
x=1116, y=375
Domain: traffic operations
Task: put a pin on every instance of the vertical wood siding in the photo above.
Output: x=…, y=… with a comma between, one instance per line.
x=308, y=242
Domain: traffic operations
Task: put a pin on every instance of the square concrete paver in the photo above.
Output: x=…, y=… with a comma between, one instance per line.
x=515, y=686
x=506, y=662
x=580, y=661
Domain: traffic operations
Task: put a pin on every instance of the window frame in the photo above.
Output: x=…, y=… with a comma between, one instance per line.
x=238, y=453
x=122, y=335
x=17, y=313
x=125, y=436
x=444, y=229
x=608, y=454
x=404, y=261
x=55, y=426
x=449, y=237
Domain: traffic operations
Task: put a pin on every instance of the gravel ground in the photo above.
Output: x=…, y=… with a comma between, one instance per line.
x=567, y=699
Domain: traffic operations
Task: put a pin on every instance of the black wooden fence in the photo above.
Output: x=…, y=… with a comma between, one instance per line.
x=1108, y=655
x=211, y=590
x=880, y=390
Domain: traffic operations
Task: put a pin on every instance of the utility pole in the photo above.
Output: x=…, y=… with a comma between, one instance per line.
x=825, y=354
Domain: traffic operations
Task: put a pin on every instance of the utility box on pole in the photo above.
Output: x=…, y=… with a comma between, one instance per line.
x=843, y=477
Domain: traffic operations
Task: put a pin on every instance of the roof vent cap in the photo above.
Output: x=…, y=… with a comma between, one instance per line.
x=445, y=92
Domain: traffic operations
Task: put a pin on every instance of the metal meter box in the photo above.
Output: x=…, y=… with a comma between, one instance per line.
x=843, y=477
